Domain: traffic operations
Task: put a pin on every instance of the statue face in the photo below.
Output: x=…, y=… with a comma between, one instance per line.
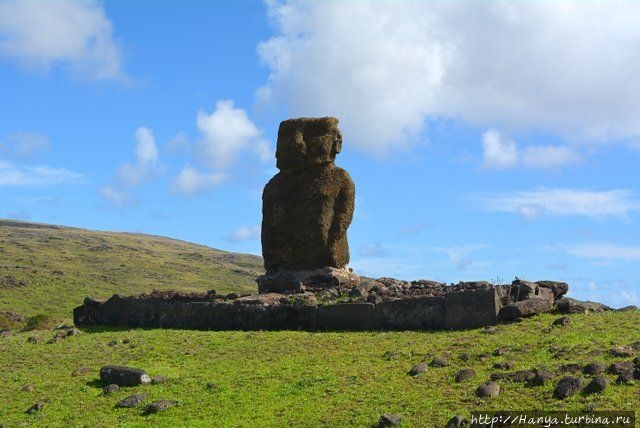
x=307, y=141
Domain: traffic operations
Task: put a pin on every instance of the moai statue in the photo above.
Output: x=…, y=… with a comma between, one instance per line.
x=306, y=210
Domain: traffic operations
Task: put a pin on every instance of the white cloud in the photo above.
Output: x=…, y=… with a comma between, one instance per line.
x=146, y=150
x=384, y=68
x=116, y=196
x=244, y=233
x=23, y=145
x=227, y=132
x=146, y=165
x=498, y=152
x=549, y=156
x=564, y=202
x=190, y=181
x=74, y=34
x=34, y=176
x=630, y=297
x=605, y=252
x=462, y=256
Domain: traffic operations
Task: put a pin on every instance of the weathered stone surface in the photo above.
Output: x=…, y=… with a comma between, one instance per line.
x=524, y=308
x=567, y=386
x=389, y=420
x=566, y=305
x=308, y=280
x=438, y=362
x=623, y=351
x=110, y=389
x=123, y=376
x=424, y=313
x=620, y=367
x=457, y=422
x=212, y=316
x=37, y=407
x=471, y=308
x=308, y=206
x=488, y=389
x=594, y=368
x=542, y=376
x=345, y=316
x=558, y=289
x=597, y=384
x=562, y=321
x=132, y=400
x=418, y=369
x=465, y=374
x=30, y=387
x=159, y=406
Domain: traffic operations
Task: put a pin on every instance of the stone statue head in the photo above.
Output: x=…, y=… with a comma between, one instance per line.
x=304, y=142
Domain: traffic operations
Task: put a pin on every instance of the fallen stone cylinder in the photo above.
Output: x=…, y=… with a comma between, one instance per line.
x=123, y=376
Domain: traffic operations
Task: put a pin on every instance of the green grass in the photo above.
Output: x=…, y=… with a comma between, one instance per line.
x=266, y=379
x=50, y=269
x=300, y=379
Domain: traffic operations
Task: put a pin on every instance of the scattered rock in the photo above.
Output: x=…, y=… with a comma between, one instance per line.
x=72, y=332
x=558, y=289
x=518, y=376
x=567, y=305
x=635, y=345
x=595, y=353
x=504, y=365
x=597, y=384
x=464, y=357
x=620, y=367
x=629, y=308
x=159, y=406
x=211, y=385
x=501, y=352
x=112, y=343
x=5, y=333
x=542, y=376
x=465, y=374
x=636, y=361
x=594, y=368
x=158, y=379
x=636, y=373
x=562, y=321
x=418, y=369
x=570, y=368
x=123, y=376
x=126, y=341
x=457, y=422
x=625, y=378
x=389, y=355
x=30, y=387
x=488, y=389
x=482, y=356
x=132, y=401
x=389, y=420
x=37, y=407
x=623, y=351
x=438, y=362
x=567, y=387
x=111, y=388
x=491, y=329
x=524, y=309
x=34, y=339
x=80, y=371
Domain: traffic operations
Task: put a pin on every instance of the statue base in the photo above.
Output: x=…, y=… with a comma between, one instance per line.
x=290, y=282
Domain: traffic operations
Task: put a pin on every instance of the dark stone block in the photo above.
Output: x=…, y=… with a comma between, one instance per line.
x=212, y=316
x=123, y=376
x=471, y=309
x=345, y=316
x=422, y=313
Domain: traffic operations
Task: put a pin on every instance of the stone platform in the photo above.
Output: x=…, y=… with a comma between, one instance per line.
x=383, y=304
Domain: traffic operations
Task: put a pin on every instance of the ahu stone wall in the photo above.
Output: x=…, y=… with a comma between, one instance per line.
x=463, y=308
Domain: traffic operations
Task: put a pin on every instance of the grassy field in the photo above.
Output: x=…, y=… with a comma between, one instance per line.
x=50, y=269
x=299, y=379
x=258, y=379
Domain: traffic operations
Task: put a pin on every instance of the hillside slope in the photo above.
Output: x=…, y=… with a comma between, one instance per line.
x=50, y=269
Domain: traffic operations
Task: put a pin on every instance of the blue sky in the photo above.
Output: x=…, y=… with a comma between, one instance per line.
x=487, y=140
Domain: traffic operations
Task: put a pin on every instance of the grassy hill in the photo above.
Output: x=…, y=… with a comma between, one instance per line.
x=50, y=269
x=266, y=379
